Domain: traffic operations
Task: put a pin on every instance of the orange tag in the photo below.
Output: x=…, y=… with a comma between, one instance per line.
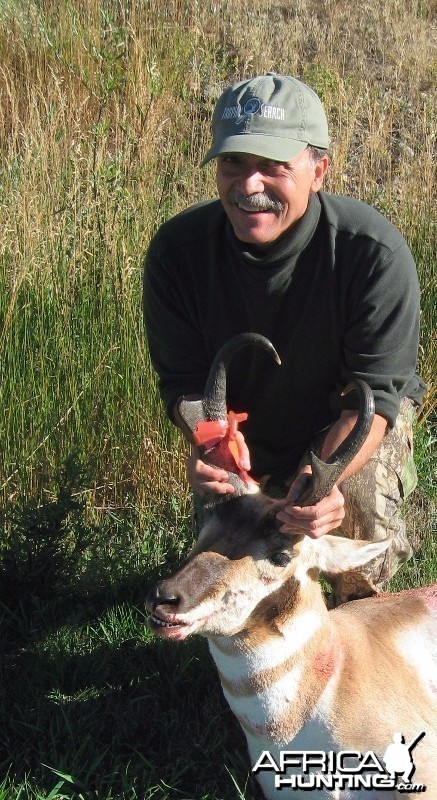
x=233, y=448
x=234, y=420
x=210, y=433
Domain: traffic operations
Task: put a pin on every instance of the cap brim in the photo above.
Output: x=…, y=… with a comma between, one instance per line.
x=274, y=147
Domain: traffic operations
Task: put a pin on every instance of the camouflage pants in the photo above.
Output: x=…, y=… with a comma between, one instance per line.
x=373, y=498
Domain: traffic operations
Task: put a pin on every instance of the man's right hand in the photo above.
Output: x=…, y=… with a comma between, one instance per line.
x=207, y=479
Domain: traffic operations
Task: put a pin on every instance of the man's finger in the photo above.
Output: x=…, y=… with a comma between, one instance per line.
x=243, y=452
x=213, y=487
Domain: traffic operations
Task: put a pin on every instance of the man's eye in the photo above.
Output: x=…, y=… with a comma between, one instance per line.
x=274, y=167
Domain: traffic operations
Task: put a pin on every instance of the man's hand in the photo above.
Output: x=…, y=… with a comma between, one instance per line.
x=316, y=520
x=327, y=514
x=207, y=479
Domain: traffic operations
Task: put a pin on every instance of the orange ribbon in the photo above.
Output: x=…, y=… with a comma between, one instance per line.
x=210, y=433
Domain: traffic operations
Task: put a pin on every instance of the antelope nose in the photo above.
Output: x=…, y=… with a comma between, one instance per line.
x=157, y=597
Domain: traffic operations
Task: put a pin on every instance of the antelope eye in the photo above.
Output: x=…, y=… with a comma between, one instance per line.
x=280, y=559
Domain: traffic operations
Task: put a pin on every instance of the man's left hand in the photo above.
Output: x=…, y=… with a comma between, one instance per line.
x=316, y=520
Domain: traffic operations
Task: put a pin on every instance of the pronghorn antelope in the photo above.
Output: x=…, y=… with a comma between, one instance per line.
x=298, y=677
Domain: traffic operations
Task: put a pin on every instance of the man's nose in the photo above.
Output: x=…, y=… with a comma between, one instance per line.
x=251, y=182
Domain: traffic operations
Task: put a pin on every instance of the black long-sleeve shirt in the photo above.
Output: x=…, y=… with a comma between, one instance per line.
x=338, y=297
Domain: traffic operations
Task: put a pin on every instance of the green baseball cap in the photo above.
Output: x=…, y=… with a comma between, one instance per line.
x=272, y=116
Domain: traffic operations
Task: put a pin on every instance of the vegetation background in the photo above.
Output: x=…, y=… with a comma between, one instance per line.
x=105, y=110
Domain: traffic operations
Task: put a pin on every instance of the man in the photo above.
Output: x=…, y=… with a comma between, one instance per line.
x=329, y=281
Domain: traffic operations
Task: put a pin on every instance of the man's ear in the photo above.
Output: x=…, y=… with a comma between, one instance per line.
x=335, y=554
x=320, y=170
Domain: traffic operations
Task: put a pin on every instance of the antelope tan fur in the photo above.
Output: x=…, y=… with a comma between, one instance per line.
x=297, y=676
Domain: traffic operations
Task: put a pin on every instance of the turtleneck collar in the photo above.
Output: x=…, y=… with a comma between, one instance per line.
x=289, y=245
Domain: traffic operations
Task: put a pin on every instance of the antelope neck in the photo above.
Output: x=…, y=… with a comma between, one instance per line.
x=273, y=679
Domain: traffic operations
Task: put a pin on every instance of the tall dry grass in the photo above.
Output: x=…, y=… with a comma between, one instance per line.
x=105, y=115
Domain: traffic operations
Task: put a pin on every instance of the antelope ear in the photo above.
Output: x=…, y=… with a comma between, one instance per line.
x=335, y=554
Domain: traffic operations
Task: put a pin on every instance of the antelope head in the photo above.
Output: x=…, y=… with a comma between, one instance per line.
x=243, y=574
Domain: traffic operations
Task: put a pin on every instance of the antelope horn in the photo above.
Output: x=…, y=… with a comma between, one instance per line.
x=212, y=406
x=325, y=474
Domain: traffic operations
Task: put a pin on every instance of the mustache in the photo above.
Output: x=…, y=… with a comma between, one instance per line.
x=254, y=202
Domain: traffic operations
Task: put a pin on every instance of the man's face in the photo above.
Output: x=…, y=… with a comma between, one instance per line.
x=263, y=198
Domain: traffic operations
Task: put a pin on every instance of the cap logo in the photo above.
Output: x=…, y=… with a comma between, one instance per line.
x=252, y=107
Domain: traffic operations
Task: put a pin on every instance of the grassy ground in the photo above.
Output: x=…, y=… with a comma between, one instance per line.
x=105, y=115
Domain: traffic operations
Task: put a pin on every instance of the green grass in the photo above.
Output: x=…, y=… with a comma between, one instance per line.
x=105, y=116
x=95, y=707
